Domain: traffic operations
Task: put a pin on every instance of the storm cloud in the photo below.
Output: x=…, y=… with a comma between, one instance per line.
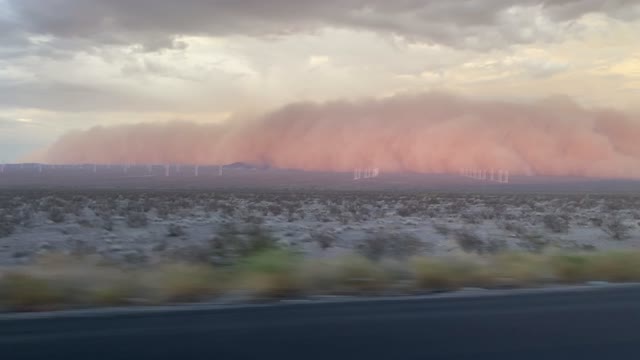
x=158, y=23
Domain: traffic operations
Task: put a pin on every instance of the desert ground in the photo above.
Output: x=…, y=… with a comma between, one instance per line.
x=139, y=215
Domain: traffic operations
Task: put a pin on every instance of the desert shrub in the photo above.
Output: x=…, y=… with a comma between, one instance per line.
x=442, y=229
x=324, y=240
x=7, y=226
x=107, y=222
x=24, y=215
x=25, y=292
x=137, y=219
x=116, y=292
x=358, y=275
x=233, y=242
x=616, y=228
x=517, y=269
x=381, y=245
x=450, y=273
x=470, y=242
x=556, y=223
x=193, y=253
x=514, y=227
x=275, y=209
x=620, y=266
x=271, y=273
x=433, y=274
x=405, y=211
x=318, y=276
x=56, y=214
x=175, y=230
x=572, y=268
x=598, y=222
x=534, y=242
x=472, y=217
x=255, y=220
x=185, y=282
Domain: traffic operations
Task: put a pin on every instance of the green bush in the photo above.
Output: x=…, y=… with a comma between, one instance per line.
x=572, y=268
x=271, y=273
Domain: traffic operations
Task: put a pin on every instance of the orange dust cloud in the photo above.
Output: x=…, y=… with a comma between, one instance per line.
x=431, y=133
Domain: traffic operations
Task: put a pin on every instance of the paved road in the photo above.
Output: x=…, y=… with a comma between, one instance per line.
x=599, y=324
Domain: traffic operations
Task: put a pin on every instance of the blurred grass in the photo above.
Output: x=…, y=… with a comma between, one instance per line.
x=57, y=282
x=269, y=274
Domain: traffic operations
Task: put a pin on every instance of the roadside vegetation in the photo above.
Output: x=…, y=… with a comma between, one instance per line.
x=62, y=282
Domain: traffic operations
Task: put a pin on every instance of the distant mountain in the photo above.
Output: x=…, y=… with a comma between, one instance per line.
x=246, y=166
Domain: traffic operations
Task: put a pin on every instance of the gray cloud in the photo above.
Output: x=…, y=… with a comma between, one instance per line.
x=61, y=96
x=156, y=23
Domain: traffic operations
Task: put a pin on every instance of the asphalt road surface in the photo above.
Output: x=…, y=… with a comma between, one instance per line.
x=596, y=324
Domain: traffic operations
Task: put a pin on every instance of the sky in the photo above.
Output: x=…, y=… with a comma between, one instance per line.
x=71, y=65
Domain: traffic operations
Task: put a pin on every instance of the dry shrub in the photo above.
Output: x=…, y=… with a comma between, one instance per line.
x=388, y=245
x=619, y=266
x=183, y=282
x=519, y=269
x=470, y=242
x=175, y=230
x=358, y=275
x=572, y=268
x=137, y=219
x=616, y=228
x=21, y=291
x=556, y=223
x=324, y=240
x=433, y=274
x=234, y=242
